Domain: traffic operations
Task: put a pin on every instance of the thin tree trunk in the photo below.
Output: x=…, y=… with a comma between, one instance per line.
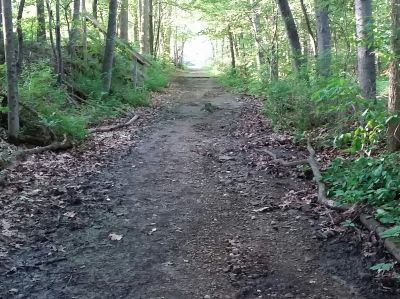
x=51, y=20
x=157, y=46
x=20, y=57
x=308, y=24
x=324, y=38
x=84, y=37
x=95, y=8
x=145, y=27
x=124, y=21
x=292, y=33
x=109, y=49
x=60, y=64
x=2, y=54
x=394, y=91
x=256, y=24
x=41, y=21
x=366, y=55
x=232, y=49
x=73, y=40
x=151, y=28
x=12, y=78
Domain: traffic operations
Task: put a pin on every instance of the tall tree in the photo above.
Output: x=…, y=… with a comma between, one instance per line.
x=109, y=49
x=256, y=25
x=124, y=21
x=12, y=78
x=2, y=55
x=60, y=64
x=41, y=21
x=85, y=34
x=324, y=38
x=20, y=56
x=394, y=90
x=308, y=24
x=73, y=39
x=292, y=33
x=95, y=9
x=366, y=55
x=232, y=48
x=144, y=9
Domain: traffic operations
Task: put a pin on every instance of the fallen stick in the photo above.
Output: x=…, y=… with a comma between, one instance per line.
x=367, y=220
x=112, y=128
x=321, y=186
x=18, y=156
x=376, y=227
x=283, y=162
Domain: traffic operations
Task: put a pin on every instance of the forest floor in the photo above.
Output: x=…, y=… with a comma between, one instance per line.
x=183, y=204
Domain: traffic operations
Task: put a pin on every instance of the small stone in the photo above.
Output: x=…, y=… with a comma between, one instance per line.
x=288, y=295
x=207, y=297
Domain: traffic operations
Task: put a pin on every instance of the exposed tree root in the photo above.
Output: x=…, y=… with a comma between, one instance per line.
x=376, y=227
x=20, y=155
x=367, y=220
x=112, y=128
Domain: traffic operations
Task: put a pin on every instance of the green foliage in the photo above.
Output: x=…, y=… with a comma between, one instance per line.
x=157, y=75
x=39, y=90
x=383, y=267
x=375, y=181
x=368, y=134
x=393, y=232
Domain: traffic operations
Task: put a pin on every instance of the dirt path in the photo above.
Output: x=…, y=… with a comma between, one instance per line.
x=182, y=200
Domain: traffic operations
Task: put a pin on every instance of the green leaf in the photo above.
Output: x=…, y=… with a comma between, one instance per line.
x=382, y=267
x=393, y=232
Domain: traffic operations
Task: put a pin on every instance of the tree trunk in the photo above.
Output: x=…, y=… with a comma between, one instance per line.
x=292, y=33
x=84, y=37
x=256, y=24
x=20, y=57
x=151, y=27
x=232, y=49
x=124, y=21
x=95, y=9
x=109, y=49
x=366, y=55
x=75, y=27
x=41, y=21
x=51, y=22
x=12, y=78
x=145, y=27
x=324, y=38
x=60, y=64
x=308, y=24
x=2, y=54
x=394, y=91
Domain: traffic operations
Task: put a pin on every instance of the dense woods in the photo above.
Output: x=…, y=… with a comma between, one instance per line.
x=70, y=64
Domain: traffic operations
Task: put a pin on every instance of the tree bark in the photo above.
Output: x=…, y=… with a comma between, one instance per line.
x=95, y=9
x=60, y=64
x=109, y=49
x=308, y=24
x=53, y=46
x=394, y=90
x=145, y=27
x=20, y=56
x=84, y=37
x=324, y=38
x=12, y=78
x=2, y=54
x=292, y=33
x=256, y=24
x=73, y=40
x=124, y=21
x=366, y=55
x=232, y=49
x=41, y=21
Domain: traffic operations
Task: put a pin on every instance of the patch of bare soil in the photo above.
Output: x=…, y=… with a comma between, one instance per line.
x=182, y=204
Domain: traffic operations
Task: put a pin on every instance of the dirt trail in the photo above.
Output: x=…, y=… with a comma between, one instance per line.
x=183, y=202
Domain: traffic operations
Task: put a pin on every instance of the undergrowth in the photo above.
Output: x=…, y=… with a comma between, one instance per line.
x=332, y=111
x=47, y=104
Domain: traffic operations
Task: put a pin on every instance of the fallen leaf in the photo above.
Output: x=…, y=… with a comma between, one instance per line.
x=115, y=237
x=70, y=214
